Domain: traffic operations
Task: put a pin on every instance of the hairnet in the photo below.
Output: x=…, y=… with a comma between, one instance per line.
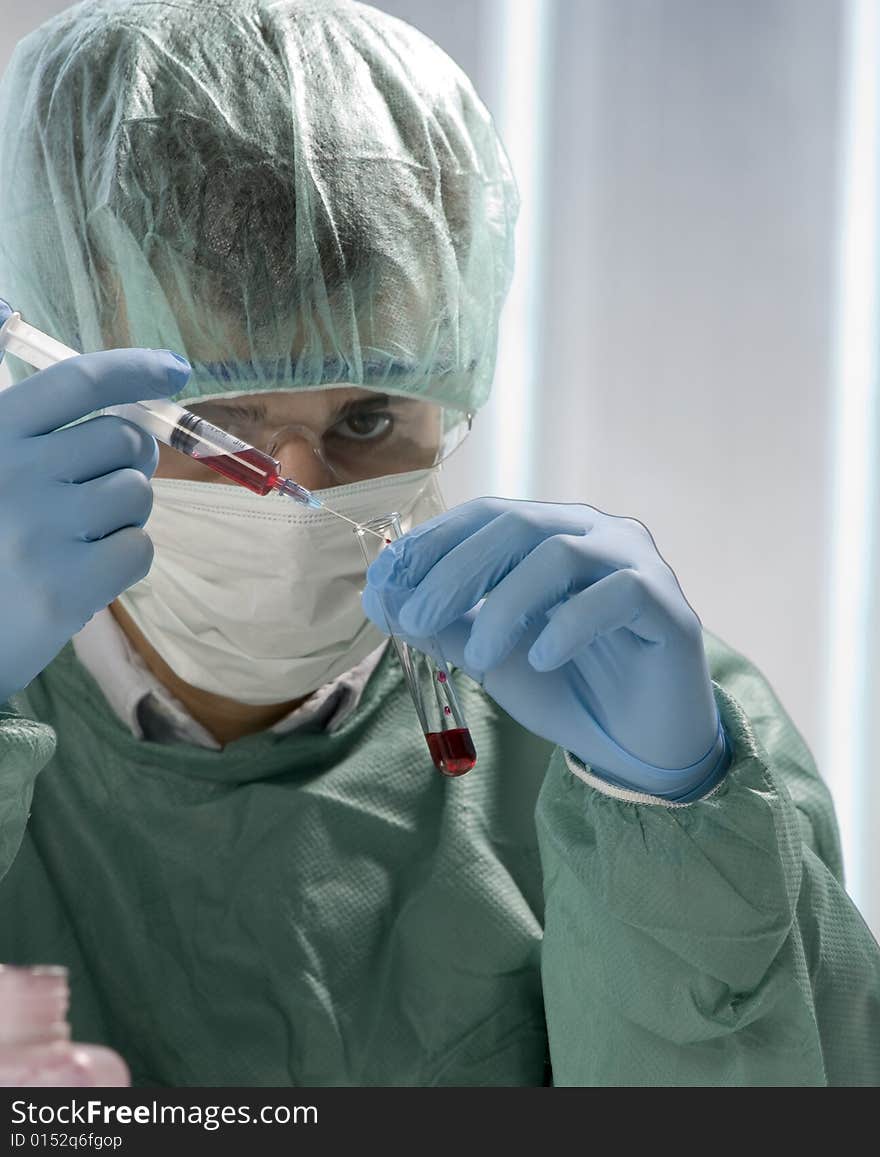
x=291, y=193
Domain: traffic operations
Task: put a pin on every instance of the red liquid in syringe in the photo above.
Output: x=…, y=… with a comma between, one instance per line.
x=229, y=456
x=452, y=751
x=251, y=468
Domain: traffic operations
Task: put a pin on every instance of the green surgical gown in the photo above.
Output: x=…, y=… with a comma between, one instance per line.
x=324, y=909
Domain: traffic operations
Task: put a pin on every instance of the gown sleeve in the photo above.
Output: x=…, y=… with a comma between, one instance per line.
x=706, y=943
x=25, y=748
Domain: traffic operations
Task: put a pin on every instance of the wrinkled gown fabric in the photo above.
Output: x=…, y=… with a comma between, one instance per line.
x=324, y=909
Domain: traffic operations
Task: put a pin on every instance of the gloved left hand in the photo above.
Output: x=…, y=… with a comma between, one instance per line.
x=584, y=635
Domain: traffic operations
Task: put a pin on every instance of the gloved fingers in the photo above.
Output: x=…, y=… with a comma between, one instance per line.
x=381, y=608
x=407, y=561
x=534, y=701
x=449, y=643
x=105, y=505
x=556, y=568
x=452, y=641
x=476, y=566
x=104, y=569
x=619, y=601
x=375, y=607
x=97, y=447
x=74, y=388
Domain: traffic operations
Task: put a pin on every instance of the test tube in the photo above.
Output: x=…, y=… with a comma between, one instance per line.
x=446, y=733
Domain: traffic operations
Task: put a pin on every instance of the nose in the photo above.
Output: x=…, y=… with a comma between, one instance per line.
x=296, y=451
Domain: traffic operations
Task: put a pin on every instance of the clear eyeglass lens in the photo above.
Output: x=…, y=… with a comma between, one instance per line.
x=367, y=439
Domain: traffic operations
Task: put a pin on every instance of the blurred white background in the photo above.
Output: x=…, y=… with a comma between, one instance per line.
x=691, y=335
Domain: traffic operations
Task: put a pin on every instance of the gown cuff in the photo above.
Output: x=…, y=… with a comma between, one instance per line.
x=659, y=785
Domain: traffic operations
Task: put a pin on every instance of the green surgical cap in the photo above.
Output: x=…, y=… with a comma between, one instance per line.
x=293, y=194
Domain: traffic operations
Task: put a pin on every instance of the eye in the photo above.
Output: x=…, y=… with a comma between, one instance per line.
x=363, y=425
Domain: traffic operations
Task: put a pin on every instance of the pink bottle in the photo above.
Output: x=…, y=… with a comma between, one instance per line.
x=35, y=1045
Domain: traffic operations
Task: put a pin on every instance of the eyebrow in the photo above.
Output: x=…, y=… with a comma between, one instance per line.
x=247, y=410
x=256, y=409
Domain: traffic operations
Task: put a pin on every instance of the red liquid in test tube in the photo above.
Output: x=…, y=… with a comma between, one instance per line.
x=453, y=751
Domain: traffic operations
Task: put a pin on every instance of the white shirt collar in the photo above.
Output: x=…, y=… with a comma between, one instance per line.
x=125, y=680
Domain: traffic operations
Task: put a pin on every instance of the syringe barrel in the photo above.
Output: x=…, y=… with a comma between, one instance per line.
x=158, y=417
x=181, y=429
x=32, y=345
x=192, y=435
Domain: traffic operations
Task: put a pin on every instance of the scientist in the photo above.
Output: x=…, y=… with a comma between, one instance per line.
x=216, y=806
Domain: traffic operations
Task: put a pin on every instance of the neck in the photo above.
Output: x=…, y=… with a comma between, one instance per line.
x=225, y=719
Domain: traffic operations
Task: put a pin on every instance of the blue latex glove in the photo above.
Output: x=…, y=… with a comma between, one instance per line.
x=72, y=501
x=584, y=636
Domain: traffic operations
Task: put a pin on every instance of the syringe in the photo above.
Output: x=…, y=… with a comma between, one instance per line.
x=177, y=427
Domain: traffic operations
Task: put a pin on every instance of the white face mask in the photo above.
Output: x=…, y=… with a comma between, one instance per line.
x=258, y=599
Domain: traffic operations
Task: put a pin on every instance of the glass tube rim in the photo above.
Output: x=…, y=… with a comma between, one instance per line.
x=381, y=524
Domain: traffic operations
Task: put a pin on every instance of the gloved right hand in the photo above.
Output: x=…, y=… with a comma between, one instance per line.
x=73, y=502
